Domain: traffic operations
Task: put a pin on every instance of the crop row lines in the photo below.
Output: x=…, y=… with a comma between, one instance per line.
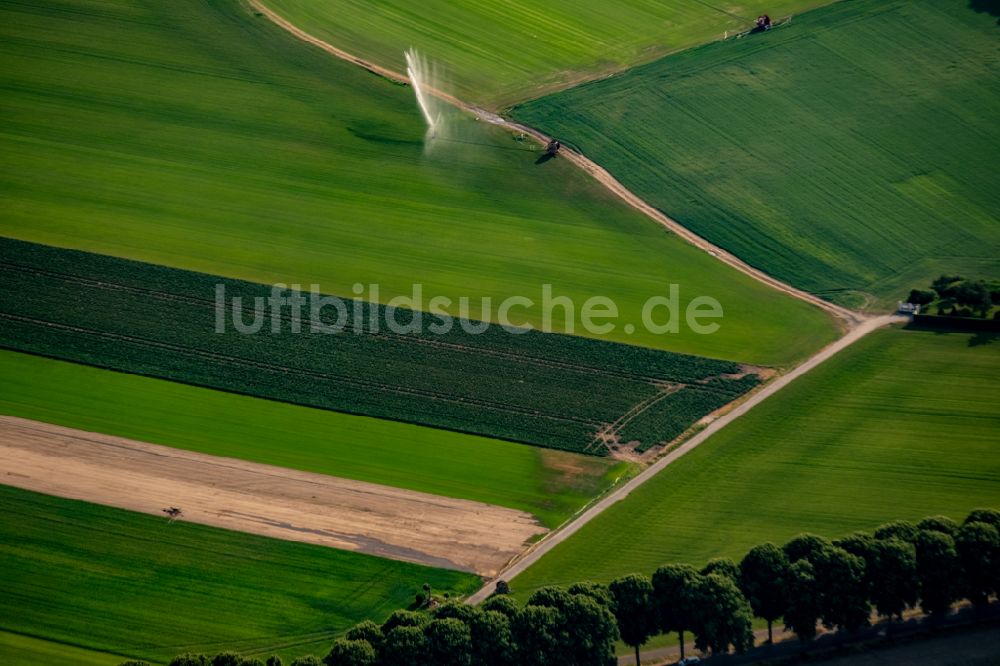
x=322, y=376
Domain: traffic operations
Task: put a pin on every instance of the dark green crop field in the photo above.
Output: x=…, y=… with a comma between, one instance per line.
x=851, y=152
x=551, y=390
x=114, y=581
x=903, y=424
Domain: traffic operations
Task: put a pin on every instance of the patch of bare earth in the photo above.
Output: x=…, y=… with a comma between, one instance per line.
x=262, y=499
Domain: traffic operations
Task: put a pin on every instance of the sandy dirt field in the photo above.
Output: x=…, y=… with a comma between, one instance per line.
x=261, y=499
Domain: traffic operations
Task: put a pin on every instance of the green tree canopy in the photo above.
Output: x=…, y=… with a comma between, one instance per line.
x=501, y=603
x=894, y=572
x=938, y=571
x=348, y=652
x=672, y=588
x=448, y=642
x=805, y=547
x=366, y=631
x=988, y=516
x=404, y=645
x=804, y=606
x=942, y=524
x=841, y=584
x=190, y=659
x=763, y=577
x=226, y=659
x=897, y=529
x=585, y=630
x=978, y=546
x=864, y=546
x=459, y=611
x=721, y=615
x=634, y=610
x=535, y=631
x=595, y=591
x=492, y=640
x=308, y=660
x=724, y=566
x=403, y=618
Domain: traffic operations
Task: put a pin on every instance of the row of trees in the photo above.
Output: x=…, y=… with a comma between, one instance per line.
x=229, y=659
x=808, y=581
x=958, y=297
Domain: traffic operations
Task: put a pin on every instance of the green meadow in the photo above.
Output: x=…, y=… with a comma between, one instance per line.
x=21, y=650
x=552, y=485
x=198, y=135
x=508, y=50
x=104, y=580
x=903, y=424
x=851, y=152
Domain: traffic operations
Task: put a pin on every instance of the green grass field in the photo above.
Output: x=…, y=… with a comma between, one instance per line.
x=549, y=484
x=851, y=152
x=20, y=650
x=126, y=130
x=124, y=583
x=901, y=425
x=510, y=50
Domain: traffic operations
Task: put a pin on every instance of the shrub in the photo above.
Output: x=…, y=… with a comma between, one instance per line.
x=921, y=296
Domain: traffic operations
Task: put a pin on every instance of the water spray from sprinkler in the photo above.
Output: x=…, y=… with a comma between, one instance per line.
x=424, y=80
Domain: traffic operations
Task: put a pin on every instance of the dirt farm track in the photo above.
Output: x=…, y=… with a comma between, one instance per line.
x=261, y=499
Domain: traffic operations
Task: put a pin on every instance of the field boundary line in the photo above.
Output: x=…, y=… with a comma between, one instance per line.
x=848, y=317
x=556, y=537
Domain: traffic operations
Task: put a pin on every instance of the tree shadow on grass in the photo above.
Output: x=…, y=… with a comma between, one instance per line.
x=991, y=7
x=983, y=338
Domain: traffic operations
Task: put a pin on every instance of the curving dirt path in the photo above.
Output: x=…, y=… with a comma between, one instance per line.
x=552, y=540
x=261, y=499
x=848, y=317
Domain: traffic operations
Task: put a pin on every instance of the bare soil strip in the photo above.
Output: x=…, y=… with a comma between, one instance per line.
x=848, y=317
x=262, y=499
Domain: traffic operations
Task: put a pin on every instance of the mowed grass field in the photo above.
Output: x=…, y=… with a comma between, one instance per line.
x=903, y=424
x=509, y=50
x=124, y=583
x=852, y=153
x=198, y=135
x=21, y=650
x=549, y=484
